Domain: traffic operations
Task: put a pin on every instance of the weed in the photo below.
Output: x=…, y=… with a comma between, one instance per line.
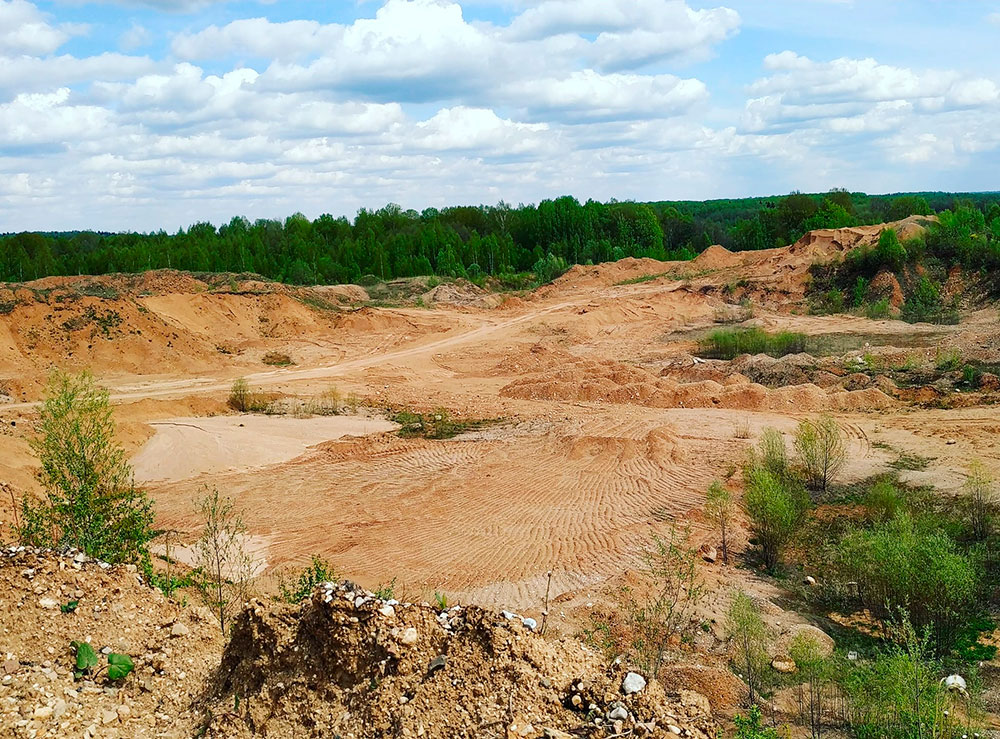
x=387, y=590
x=436, y=425
x=441, y=601
x=879, y=310
x=948, y=360
x=119, y=666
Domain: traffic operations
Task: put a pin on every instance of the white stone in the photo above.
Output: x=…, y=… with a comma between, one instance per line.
x=618, y=714
x=633, y=683
x=409, y=636
x=531, y=623
x=48, y=604
x=955, y=682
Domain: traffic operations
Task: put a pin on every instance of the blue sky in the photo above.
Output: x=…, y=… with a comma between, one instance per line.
x=147, y=114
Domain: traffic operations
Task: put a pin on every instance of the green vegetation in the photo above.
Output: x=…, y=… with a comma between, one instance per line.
x=720, y=509
x=436, y=425
x=222, y=558
x=318, y=571
x=966, y=237
x=661, y=608
x=479, y=242
x=90, y=501
x=819, y=445
x=119, y=666
x=751, y=726
x=732, y=342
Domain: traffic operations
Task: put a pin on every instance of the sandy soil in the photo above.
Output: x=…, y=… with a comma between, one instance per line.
x=595, y=443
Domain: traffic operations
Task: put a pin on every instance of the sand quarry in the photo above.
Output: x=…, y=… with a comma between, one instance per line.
x=603, y=427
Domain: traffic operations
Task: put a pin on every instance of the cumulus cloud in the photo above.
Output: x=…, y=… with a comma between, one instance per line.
x=631, y=33
x=418, y=103
x=26, y=30
x=800, y=89
x=590, y=96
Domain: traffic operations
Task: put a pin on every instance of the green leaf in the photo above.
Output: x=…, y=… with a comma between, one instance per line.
x=119, y=666
x=69, y=607
x=86, y=657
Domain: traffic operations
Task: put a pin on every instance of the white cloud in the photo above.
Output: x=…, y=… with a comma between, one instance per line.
x=994, y=18
x=589, y=96
x=258, y=37
x=478, y=129
x=26, y=30
x=800, y=89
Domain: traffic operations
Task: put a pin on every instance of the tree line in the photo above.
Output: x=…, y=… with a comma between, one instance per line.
x=473, y=242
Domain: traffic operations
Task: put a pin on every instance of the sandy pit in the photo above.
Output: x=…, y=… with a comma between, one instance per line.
x=593, y=441
x=183, y=448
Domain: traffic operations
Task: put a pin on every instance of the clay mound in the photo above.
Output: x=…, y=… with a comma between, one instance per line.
x=660, y=446
x=346, y=663
x=370, y=320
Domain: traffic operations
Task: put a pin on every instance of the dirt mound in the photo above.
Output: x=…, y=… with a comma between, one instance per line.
x=885, y=285
x=613, y=382
x=173, y=648
x=342, y=293
x=461, y=293
x=346, y=663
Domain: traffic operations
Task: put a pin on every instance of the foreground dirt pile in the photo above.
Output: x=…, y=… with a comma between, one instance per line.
x=346, y=663
x=173, y=648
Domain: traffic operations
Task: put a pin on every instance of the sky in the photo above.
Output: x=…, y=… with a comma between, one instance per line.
x=150, y=114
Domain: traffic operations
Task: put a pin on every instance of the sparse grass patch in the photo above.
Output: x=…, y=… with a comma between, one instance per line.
x=948, y=360
x=436, y=425
x=910, y=462
x=731, y=343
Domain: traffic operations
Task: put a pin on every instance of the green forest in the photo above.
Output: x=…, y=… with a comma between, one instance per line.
x=467, y=241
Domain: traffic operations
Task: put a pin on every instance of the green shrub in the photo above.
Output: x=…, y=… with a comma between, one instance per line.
x=731, y=343
x=878, y=310
x=776, y=508
x=899, y=695
x=751, y=727
x=902, y=567
x=91, y=502
x=971, y=376
x=884, y=500
x=819, y=445
x=318, y=571
x=948, y=360
x=549, y=268
x=860, y=292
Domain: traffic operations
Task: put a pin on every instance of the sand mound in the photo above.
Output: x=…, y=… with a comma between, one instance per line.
x=346, y=663
x=610, y=273
x=461, y=293
x=716, y=257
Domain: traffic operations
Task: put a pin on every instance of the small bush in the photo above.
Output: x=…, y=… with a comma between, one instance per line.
x=240, y=395
x=884, y=500
x=776, y=507
x=878, y=310
x=318, y=571
x=91, y=501
x=902, y=567
x=821, y=451
x=948, y=360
